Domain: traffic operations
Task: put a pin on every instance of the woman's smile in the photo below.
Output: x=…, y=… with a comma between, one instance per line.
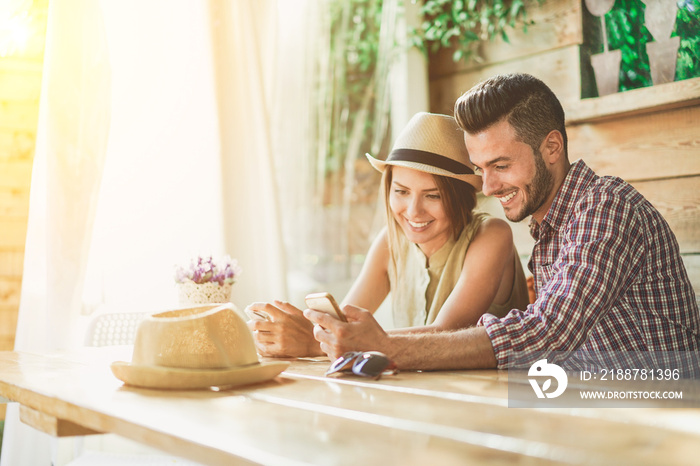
x=418, y=226
x=417, y=207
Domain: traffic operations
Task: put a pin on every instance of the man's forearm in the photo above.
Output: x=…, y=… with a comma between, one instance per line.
x=462, y=349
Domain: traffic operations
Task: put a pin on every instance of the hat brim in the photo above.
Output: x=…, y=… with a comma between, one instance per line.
x=380, y=165
x=173, y=378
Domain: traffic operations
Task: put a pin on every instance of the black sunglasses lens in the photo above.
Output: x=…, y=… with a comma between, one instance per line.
x=371, y=364
x=343, y=363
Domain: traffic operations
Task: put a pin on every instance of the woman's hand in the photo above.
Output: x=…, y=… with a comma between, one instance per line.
x=360, y=333
x=288, y=334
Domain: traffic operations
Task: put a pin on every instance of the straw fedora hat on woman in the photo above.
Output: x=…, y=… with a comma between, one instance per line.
x=434, y=144
x=197, y=347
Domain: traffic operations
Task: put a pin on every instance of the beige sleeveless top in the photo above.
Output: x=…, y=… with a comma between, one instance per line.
x=419, y=292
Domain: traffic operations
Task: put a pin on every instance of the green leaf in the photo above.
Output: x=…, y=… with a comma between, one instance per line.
x=468, y=21
x=515, y=8
x=471, y=35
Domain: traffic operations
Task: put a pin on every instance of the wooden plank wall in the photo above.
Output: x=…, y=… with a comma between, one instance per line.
x=657, y=152
x=653, y=145
x=20, y=86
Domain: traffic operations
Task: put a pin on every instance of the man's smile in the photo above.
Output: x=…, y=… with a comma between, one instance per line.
x=507, y=197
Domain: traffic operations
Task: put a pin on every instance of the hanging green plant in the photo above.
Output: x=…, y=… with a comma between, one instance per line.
x=353, y=40
x=688, y=29
x=626, y=31
x=464, y=23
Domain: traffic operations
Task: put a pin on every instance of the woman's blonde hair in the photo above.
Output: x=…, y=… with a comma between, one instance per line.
x=458, y=199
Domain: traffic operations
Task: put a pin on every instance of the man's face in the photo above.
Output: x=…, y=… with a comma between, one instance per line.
x=511, y=172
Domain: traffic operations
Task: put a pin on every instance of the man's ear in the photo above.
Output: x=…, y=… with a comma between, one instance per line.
x=552, y=147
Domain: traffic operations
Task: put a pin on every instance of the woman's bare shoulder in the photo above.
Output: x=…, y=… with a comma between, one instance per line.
x=497, y=227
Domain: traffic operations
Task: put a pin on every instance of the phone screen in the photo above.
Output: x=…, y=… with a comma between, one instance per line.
x=326, y=303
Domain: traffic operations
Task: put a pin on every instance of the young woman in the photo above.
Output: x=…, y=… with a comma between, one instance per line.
x=444, y=264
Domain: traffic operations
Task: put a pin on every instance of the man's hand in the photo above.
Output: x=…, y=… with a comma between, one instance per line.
x=287, y=334
x=360, y=333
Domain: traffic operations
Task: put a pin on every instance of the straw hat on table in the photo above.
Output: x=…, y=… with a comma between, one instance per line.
x=197, y=347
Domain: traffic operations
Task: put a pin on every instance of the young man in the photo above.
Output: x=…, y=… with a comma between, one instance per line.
x=607, y=268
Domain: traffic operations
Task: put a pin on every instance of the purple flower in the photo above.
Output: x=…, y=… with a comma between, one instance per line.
x=204, y=269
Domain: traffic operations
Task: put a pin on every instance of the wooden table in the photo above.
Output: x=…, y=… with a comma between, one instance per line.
x=302, y=417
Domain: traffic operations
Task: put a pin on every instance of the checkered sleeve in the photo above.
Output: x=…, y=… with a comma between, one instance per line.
x=600, y=250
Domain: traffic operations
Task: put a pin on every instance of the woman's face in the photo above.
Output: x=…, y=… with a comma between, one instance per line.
x=417, y=207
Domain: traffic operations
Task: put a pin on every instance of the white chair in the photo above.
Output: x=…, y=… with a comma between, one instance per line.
x=113, y=328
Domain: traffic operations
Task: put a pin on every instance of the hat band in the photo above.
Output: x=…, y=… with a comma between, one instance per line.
x=429, y=158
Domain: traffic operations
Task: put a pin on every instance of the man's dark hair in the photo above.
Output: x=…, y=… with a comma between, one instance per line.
x=527, y=103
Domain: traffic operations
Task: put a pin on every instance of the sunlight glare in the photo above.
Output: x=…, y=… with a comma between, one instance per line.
x=14, y=31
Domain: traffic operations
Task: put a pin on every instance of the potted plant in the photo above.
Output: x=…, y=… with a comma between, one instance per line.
x=606, y=65
x=663, y=52
x=205, y=280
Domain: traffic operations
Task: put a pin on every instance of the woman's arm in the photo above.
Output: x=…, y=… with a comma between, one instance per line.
x=372, y=285
x=487, y=276
x=289, y=334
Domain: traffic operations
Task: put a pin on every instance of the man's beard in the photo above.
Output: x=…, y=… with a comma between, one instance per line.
x=536, y=192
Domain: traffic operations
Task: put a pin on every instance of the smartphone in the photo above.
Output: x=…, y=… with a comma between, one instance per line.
x=257, y=315
x=326, y=303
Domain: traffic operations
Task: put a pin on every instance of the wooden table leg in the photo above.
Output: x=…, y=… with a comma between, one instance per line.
x=51, y=424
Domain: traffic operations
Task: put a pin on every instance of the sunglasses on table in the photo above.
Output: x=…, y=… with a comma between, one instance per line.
x=364, y=363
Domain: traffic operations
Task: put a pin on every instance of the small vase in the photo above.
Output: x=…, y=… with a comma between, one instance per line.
x=203, y=293
x=606, y=66
x=663, y=55
x=660, y=17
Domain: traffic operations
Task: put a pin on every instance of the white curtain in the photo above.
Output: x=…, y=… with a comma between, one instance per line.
x=74, y=120
x=153, y=146
x=244, y=39
x=71, y=139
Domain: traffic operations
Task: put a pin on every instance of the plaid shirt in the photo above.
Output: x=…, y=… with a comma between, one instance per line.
x=608, y=275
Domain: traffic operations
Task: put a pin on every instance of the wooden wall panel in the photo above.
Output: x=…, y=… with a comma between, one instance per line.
x=16, y=144
x=657, y=145
x=15, y=174
x=20, y=80
x=558, y=68
x=22, y=116
x=11, y=261
x=692, y=265
x=10, y=288
x=678, y=200
x=633, y=102
x=20, y=89
x=13, y=232
x=8, y=325
x=14, y=202
x=557, y=24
